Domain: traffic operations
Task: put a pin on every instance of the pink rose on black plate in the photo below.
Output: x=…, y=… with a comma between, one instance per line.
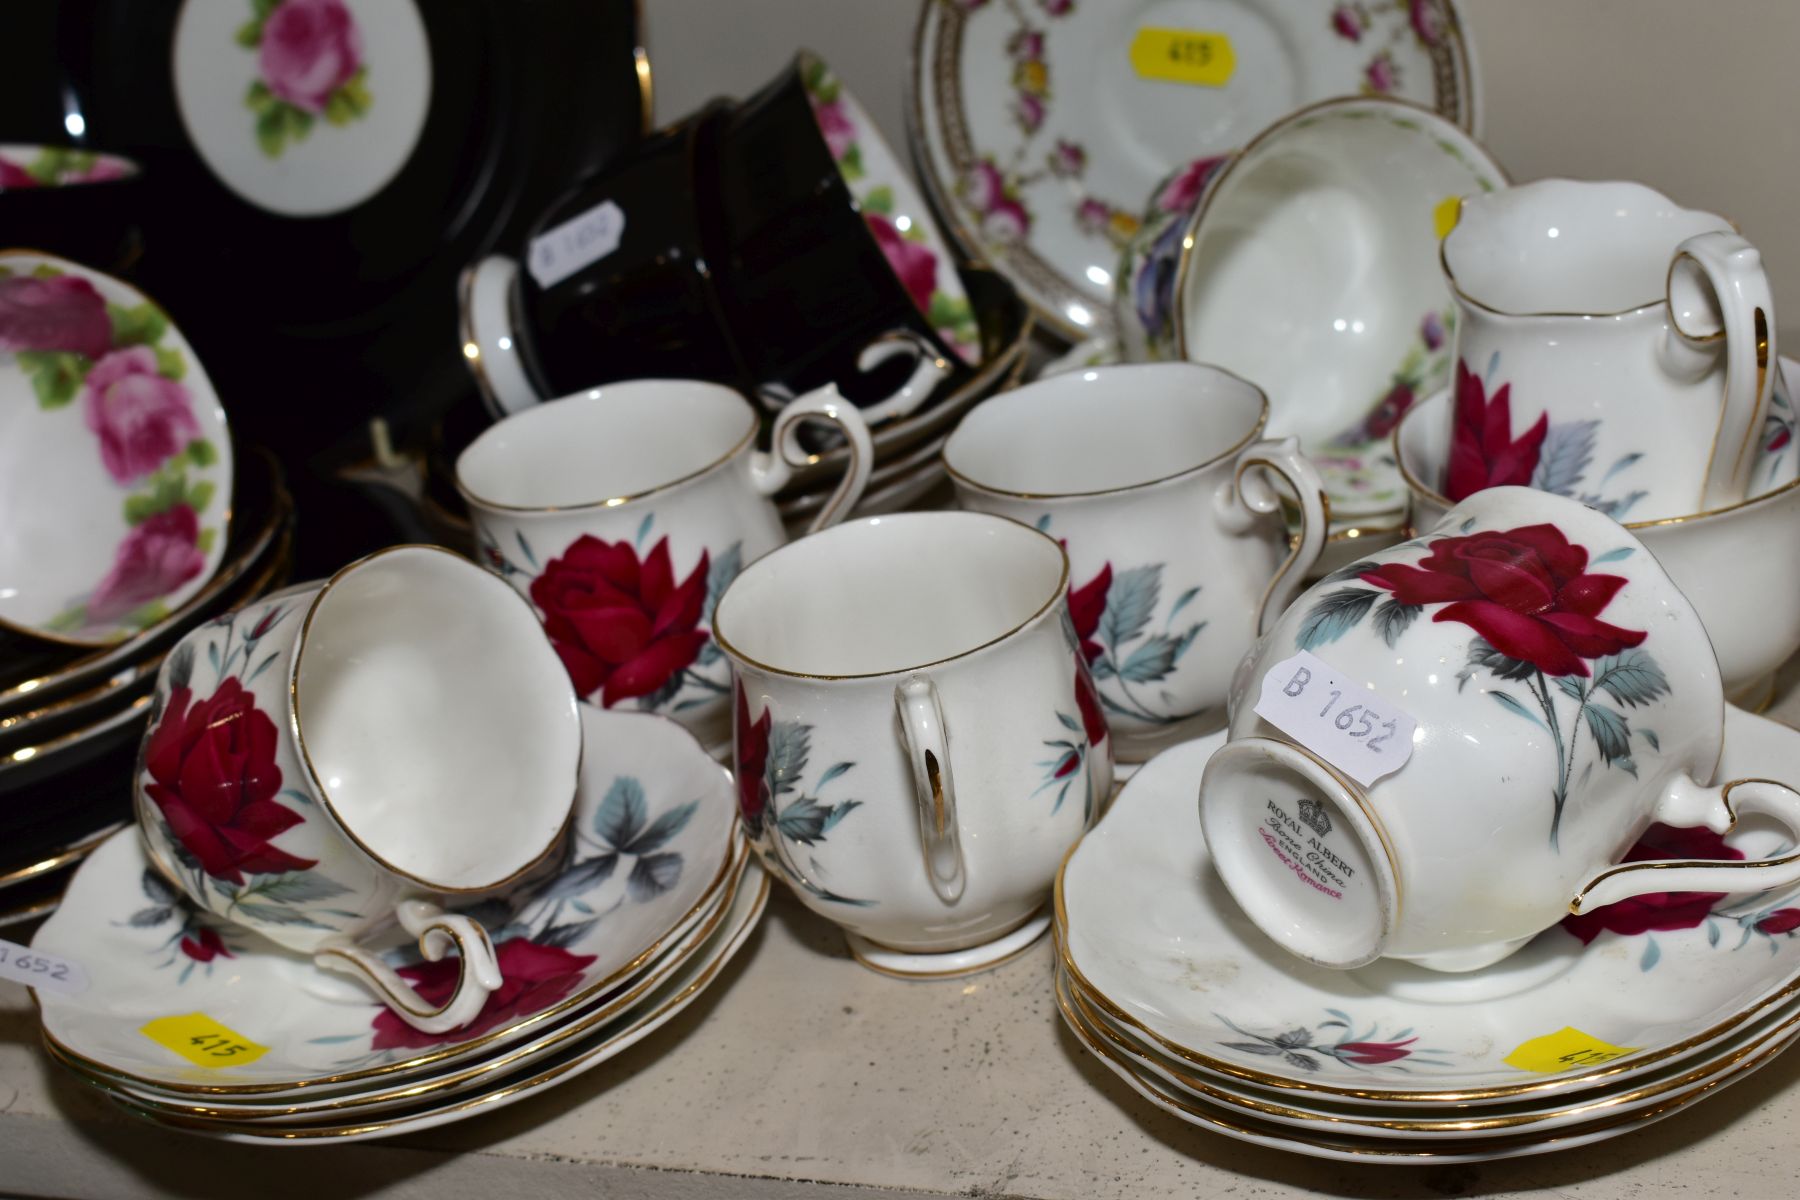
x=213, y=776
x=60, y=313
x=533, y=978
x=1659, y=911
x=1526, y=590
x=310, y=48
x=143, y=418
x=623, y=628
x=913, y=262
x=161, y=553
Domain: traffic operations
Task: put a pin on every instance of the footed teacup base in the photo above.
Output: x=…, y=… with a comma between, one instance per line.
x=950, y=964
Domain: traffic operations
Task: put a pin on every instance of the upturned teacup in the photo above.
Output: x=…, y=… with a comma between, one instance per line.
x=917, y=740
x=1611, y=346
x=622, y=514
x=1443, y=749
x=1154, y=480
x=339, y=755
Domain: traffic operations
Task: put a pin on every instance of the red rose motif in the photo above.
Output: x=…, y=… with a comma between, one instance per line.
x=533, y=978
x=835, y=123
x=1483, y=453
x=1346, y=23
x=12, y=175
x=214, y=778
x=59, y=313
x=752, y=756
x=142, y=418
x=1092, y=721
x=161, y=553
x=1384, y=416
x=1525, y=590
x=1372, y=1054
x=623, y=628
x=310, y=48
x=1182, y=191
x=1779, y=921
x=913, y=262
x=1382, y=76
x=1087, y=604
x=204, y=945
x=1427, y=21
x=1660, y=911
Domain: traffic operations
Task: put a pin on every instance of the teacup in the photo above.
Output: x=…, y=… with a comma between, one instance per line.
x=917, y=741
x=1438, y=750
x=622, y=513
x=342, y=754
x=1611, y=346
x=1728, y=561
x=1154, y=481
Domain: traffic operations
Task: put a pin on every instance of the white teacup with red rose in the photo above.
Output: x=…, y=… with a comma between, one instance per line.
x=343, y=754
x=623, y=512
x=1445, y=748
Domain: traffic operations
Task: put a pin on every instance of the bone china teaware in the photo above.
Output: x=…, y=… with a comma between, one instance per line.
x=917, y=743
x=333, y=757
x=1725, y=561
x=1565, y=697
x=623, y=512
x=1154, y=480
x=1612, y=346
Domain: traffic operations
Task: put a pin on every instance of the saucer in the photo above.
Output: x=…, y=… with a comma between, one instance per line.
x=1041, y=129
x=651, y=851
x=115, y=457
x=1153, y=940
x=26, y=166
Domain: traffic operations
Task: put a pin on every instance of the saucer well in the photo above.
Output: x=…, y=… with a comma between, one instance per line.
x=650, y=852
x=1151, y=938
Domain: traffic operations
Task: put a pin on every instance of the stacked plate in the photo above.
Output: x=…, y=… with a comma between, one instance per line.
x=1608, y=1023
x=208, y=1028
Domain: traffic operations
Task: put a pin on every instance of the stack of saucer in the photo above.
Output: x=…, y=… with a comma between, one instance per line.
x=1608, y=1023
x=204, y=1026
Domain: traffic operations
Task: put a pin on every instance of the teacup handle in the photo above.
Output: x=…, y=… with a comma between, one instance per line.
x=1250, y=494
x=485, y=293
x=771, y=469
x=437, y=931
x=928, y=750
x=1717, y=289
x=928, y=371
x=1686, y=803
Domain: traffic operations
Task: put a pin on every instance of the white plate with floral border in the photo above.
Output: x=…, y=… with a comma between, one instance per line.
x=115, y=456
x=650, y=1014
x=1153, y=939
x=654, y=829
x=1041, y=126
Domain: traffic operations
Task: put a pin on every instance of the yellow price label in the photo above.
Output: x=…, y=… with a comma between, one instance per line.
x=1446, y=215
x=1565, y=1050
x=1183, y=56
x=203, y=1041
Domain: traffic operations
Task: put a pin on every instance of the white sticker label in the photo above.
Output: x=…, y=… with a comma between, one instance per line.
x=1350, y=727
x=33, y=968
x=558, y=253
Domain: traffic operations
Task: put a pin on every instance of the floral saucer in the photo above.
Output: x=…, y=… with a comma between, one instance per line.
x=115, y=457
x=58, y=166
x=1153, y=941
x=650, y=854
x=1041, y=126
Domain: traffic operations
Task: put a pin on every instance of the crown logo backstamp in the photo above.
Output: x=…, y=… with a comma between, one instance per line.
x=1314, y=814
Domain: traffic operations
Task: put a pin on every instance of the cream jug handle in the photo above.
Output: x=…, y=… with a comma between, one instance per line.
x=1718, y=291
x=1688, y=804
x=437, y=931
x=770, y=470
x=927, y=744
x=1250, y=494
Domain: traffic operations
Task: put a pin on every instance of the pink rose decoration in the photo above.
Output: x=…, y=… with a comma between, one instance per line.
x=1347, y=24
x=1027, y=45
x=1068, y=158
x=1056, y=8
x=103, y=170
x=1382, y=77
x=60, y=313
x=1183, y=192
x=310, y=48
x=1427, y=21
x=159, y=555
x=1006, y=221
x=1030, y=112
x=12, y=175
x=1432, y=330
x=913, y=262
x=1092, y=216
x=142, y=418
x=835, y=124
x=985, y=186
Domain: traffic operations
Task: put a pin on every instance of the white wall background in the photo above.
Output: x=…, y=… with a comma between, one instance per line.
x=1698, y=98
